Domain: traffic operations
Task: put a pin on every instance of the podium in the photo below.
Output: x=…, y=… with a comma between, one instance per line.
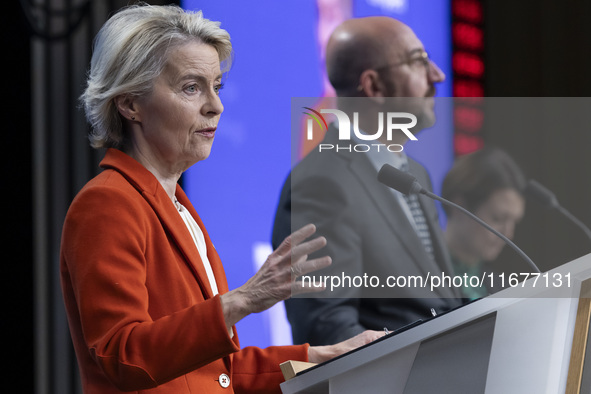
x=528, y=338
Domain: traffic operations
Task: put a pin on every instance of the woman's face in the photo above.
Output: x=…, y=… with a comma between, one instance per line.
x=180, y=116
x=502, y=211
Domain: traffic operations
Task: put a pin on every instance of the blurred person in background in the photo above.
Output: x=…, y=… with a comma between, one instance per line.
x=489, y=184
x=376, y=65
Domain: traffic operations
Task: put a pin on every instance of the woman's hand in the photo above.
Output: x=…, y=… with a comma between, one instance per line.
x=319, y=354
x=277, y=278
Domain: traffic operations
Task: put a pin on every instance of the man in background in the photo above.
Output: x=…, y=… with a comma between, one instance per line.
x=375, y=64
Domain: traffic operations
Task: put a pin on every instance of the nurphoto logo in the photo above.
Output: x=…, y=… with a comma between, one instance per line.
x=391, y=119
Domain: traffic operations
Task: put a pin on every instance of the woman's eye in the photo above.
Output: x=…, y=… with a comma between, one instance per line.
x=191, y=88
x=218, y=87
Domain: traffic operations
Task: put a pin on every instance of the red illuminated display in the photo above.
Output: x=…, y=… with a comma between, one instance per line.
x=468, y=36
x=467, y=64
x=468, y=69
x=464, y=143
x=468, y=119
x=468, y=10
x=466, y=88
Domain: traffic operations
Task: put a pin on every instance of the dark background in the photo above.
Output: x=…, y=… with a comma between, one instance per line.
x=17, y=263
x=533, y=49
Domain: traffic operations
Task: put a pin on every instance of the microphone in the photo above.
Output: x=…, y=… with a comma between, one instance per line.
x=541, y=194
x=407, y=184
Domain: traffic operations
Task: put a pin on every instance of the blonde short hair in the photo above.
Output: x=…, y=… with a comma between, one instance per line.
x=130, y=52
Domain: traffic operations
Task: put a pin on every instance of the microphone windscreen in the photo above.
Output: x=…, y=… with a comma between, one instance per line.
x=398, y=180
x=541, y=194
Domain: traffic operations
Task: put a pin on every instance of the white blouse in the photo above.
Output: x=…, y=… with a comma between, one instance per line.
x=199, y=240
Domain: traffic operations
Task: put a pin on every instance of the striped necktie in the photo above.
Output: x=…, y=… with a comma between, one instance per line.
x=421, y=225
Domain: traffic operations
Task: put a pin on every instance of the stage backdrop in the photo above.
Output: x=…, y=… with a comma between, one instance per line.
x=279, y=55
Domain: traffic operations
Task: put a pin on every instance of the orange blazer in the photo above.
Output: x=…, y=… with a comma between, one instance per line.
x=140, y=309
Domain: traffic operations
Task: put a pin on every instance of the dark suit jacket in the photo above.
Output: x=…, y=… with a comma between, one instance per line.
x=367, y=233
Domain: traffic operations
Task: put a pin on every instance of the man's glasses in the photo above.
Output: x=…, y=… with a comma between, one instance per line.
x=420, y=58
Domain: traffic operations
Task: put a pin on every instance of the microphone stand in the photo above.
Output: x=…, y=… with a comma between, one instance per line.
x=483, y=223
x=407, y=184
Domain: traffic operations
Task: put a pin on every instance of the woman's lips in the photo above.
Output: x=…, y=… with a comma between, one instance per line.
x=208, y=133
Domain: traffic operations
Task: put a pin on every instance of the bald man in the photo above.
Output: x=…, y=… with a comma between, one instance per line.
x=372, y=231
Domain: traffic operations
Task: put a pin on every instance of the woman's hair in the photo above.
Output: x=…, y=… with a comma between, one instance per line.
x=130, y=52
x=476, y=176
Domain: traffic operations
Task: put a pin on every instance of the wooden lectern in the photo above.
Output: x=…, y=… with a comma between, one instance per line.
x=529, y=338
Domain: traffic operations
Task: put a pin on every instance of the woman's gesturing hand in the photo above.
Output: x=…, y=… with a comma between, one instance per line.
x=277, y=278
